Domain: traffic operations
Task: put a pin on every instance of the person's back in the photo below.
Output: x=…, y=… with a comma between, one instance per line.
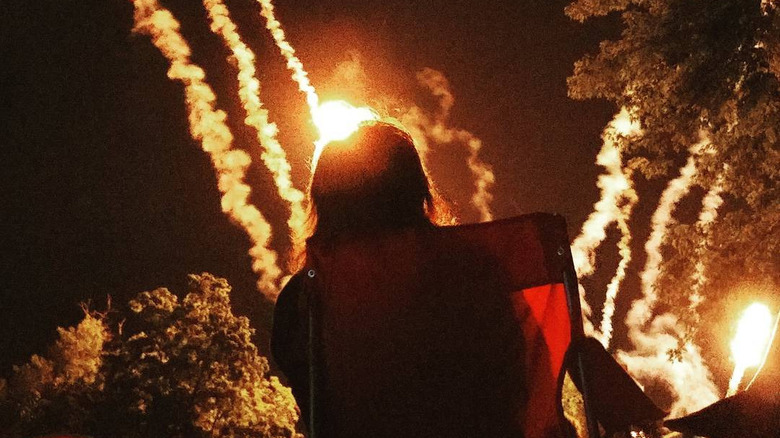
x=418, y=338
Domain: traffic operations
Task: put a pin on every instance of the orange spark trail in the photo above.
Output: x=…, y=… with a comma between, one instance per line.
x=616, y=204
x=207, y=124
x=273, y=154
x=299, y=75
x=437, y=130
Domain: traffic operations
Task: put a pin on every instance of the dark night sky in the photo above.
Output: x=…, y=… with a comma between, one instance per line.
x=104, y=192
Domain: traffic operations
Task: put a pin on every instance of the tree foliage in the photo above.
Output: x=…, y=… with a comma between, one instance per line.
x=165, y=368
x=689, y=70
x=54, y=393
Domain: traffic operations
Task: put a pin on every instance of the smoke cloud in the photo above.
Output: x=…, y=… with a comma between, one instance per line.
x=688, y=380
x=424, y=128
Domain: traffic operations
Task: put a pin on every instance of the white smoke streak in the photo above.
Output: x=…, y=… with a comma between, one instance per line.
x=207, y=124
x=616, y=204
x=288, y=52
x=615, y=187
x=688, y=378
x=273, y=155
x=624, y=249
x=423, y=127
x=708, y=214
x=642, y=309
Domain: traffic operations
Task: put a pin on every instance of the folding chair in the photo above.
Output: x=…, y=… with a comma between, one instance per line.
x=451, y=331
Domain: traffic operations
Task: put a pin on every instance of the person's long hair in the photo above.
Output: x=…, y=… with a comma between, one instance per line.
x=371, y=182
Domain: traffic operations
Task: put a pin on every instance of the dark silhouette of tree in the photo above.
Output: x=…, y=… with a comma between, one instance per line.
x=167, y=368
x=690, y=70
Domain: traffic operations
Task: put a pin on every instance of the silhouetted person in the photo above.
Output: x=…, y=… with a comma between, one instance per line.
x=407, y=349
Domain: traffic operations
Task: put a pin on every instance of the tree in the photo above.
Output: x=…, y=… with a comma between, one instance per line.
x=693, y=70
x=56, y=393
x=188, y=368
x=167, y=368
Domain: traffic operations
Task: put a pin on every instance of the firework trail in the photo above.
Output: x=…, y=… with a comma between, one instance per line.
x=615, y=186
x=624, y=249
x=273, y=154
x=616, y=204
x=207, y=124
x=642, y=309
x=288, y=52
x=709, y=212
x=688, y=378
x=322, y=115
x=423, y=128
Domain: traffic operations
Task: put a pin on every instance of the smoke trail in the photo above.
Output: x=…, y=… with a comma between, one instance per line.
x=207, y=124
x=273, y=154
x=624, y=249
x=616, y=188
x=288, y=52
x=616, y=204
x=642, y=309
x=709, y=212
x=688, y=378
x=436, y=129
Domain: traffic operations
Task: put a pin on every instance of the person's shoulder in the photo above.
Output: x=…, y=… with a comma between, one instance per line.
x=292, y=289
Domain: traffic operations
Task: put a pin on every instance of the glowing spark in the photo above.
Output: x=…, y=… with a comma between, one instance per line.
x=337, y=120
x=748, y=348
x=273, y=154
x=208, y=125
x=423, y=128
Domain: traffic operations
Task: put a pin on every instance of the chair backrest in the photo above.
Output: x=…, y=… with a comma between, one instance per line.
x=452, y=331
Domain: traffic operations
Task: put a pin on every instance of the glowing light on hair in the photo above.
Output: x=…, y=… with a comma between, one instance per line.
x=336, y=120
x=750, y=343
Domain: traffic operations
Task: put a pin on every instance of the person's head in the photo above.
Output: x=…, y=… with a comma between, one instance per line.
x=369, y=182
